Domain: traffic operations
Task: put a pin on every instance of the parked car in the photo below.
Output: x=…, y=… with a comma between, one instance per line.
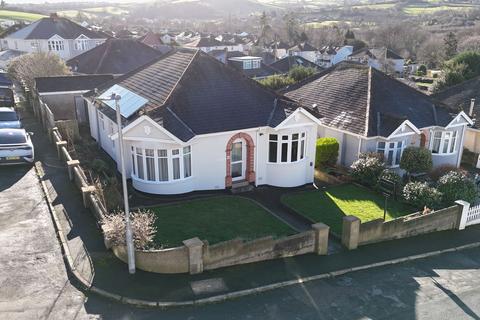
x=9, y=118
x=7, y=98
x=16, y=147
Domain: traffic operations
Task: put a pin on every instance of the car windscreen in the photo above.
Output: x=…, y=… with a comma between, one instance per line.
x=12, y=137
x=8, y=116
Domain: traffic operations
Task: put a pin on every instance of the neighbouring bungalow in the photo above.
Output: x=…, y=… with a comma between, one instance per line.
x=369, y=111
x=252, y=67
x=465, y=97
x=382, y=59
x=114, y=56
x=330, y=55
x=193, y=123
x=54, y=34
x=286, y=64
x=305, y=50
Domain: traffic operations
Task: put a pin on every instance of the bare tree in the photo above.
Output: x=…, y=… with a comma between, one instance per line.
x=431, y=52
x=38, y=64
x=471, y=43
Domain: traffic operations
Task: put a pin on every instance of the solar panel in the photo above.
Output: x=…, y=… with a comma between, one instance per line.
x=129, y=103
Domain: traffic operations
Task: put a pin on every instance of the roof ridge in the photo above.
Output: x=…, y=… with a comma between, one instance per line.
x=369, y=99
x=108, y=45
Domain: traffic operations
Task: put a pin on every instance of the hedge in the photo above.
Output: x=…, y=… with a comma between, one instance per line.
x=327, y=151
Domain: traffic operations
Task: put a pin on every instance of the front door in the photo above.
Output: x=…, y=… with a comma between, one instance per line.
x=238, y=160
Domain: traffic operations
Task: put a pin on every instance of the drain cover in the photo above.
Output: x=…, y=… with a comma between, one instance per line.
x=208, y=286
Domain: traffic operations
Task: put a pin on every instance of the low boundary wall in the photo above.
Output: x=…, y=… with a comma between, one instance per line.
x=355, y=233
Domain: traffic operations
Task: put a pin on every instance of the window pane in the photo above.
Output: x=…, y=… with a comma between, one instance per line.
x=446, y=142
x=294, y=155
x=273, y=137
x=284, y=137
x=187, y=165
x=454, y=141
x=302, y=149
x=237, y=170
x=176, y=168
x=149, y=152
x=140, y=166
x=303, y=134
x=437, y=138
x=186, y=150
x=284, y=152
x=163, y=168
x=162, y=153
x=295, y=136
x=398, y=154
x=381, y=145
x=390, y=157
x=175, y=152
x=237, y=152
x=134, y=168
x=150, y=169
x=272, y=152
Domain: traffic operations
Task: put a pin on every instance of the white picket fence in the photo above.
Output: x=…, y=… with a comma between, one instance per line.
x=473, y=216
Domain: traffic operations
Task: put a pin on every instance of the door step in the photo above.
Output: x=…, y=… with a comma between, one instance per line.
x=241, y=186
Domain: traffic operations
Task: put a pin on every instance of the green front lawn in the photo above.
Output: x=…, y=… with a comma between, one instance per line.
x=331, y=205
x=215, y=219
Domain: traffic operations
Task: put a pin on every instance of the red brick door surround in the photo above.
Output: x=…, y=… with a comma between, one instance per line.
x=249, y=170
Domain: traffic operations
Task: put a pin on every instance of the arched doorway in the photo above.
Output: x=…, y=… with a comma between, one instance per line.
x=240, y=157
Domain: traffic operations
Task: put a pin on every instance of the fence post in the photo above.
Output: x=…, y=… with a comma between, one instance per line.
x=60, y=144
x=195, y=255
x=321, y=238
x=86, y=191
x=71, y=165
x=463, y=219
x=350, y=232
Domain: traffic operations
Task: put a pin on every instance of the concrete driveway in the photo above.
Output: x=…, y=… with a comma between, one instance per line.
x=33, y=279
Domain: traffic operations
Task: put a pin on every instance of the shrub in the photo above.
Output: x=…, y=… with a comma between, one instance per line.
x=440, y=171
x=420, y=195
x=391, y=175
x=299, y=73
x=143, y=228
x=99, y=166
x=422, y=70
x=456, y=186
x=367, y=169
x=416, y=160
x=327, y=151
x=276, y=82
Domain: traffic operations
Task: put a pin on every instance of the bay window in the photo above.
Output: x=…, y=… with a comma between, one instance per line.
x=161, y=165
x=391, y=152
x=56, y=45
x=444, y=142
x=289, y=148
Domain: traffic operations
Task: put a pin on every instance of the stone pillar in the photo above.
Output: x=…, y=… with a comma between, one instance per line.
x=464, y=206
x=321, y=238
x=86, y=191
x=195, y=255
x=71, y=165
x=60, y=144
x=350, y=232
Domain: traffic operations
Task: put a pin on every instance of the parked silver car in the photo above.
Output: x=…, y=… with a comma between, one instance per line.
x=16, y=147
x=9, y=118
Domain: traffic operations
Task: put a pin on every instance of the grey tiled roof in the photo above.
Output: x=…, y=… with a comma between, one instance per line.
x=115, y=56
x=192, y=93
x=365, y=101
x=46, y=28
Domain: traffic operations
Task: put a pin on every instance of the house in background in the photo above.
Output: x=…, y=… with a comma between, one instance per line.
x=306, y=51
x=331, y=55
x=210, y=43
x=252, y=67
x=54, y=34
x=154, y=41
x=278, y=48
x=114, y=56
x=382, y=59
x=192, y=123
x=465, y=97
x=286, y=64
x=368, y=111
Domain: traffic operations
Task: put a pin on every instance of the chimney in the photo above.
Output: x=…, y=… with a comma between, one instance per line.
x=472, y=105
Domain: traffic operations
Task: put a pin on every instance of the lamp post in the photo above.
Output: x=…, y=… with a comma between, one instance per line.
x=128, y=227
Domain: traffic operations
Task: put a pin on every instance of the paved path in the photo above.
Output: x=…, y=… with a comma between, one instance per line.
x=33, y=279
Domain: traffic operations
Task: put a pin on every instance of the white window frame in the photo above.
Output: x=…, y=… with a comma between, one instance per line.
x=385, y=150
x=448, y=141
x=56, y=45
x=181, y=156
x=301, y=147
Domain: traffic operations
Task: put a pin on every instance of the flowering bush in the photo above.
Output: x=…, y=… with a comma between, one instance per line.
x=416, y=160
x=143, y=228
x=456, y=186
x=420, y=195
x=367, y=169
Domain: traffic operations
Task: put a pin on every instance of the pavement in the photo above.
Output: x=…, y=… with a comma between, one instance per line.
x=111, y=274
